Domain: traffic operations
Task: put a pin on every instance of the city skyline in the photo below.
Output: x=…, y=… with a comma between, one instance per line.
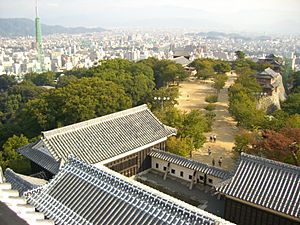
x=255, y=16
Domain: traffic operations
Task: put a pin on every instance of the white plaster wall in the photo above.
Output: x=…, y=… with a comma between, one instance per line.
x=178, y=169
x=186, y=171
x=160, y=162
x=215, y=180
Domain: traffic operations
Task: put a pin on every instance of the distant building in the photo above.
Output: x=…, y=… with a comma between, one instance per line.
x=269, y=80
x=121, y=141
x=274, y=61
x=262, y=192
x=273, y=91
x=271, y=83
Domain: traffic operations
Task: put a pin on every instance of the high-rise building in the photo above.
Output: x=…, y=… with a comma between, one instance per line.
x=38, y=37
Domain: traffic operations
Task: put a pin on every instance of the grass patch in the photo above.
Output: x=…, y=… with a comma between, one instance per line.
x=211, y=98
x=210, y=107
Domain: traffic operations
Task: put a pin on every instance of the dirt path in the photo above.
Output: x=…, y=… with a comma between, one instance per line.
x=192, y=95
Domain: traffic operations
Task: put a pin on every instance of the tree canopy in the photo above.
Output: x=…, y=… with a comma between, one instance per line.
x=292, y=104
x=80, y=100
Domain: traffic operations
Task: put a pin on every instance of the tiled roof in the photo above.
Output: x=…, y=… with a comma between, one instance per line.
x=191, y=164
x=83, y=194
x=269, y=73
x=105, y=137
x=266, y=183
x=182, y=60
x=40, y=158
x=22, y=183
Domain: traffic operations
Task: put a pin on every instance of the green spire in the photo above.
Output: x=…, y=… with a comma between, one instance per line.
x=38, y=37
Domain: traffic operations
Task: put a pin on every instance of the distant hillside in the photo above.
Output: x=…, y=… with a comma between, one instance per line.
x=25, y=27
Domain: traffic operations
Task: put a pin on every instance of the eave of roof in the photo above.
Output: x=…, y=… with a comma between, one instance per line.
x=40, y=158
x=21, y=182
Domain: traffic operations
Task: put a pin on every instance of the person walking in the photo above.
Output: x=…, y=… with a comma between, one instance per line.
x=215, y=138
x=220, y=161
x=211, y=138
x=213, y=162
x=209, y=150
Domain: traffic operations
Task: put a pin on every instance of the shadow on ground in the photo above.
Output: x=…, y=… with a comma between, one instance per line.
x=200, y=196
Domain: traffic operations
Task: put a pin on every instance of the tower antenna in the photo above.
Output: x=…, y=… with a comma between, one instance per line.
x=36, y=9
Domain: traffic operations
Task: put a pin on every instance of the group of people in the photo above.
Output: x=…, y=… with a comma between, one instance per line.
x=220, y=161
x=213, y=138
x=213, y=160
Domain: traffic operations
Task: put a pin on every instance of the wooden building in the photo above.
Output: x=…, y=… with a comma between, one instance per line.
x=262, y=192
x=120, y=141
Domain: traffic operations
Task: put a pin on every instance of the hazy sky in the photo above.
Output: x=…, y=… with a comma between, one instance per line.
x=207, y=14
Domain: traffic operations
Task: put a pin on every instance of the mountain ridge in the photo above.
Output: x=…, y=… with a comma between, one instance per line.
x=12, y=27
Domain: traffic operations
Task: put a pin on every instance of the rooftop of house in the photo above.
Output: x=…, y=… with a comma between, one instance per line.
x=101, y=138
x=83, y=194
x=266, y=183
x=21, y=182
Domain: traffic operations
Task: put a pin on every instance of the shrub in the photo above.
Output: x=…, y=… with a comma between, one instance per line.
x=210, y=107
x=210, y=117
x=211, y=98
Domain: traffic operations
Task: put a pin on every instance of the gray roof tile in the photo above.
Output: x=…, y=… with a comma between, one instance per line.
x=22, y=183
x=102, y=138
x=40, y=158
x=83, y=194
x=266, y=183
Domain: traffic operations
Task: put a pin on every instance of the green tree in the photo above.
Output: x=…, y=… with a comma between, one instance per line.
x=7, y=82
x=65, y=80
x=11, y=145
x=243, y=108
x=180, y=146
x=41, y=79
x=194, y=125
x=240, y=55
x=292, y=104
x=15, y=97
x=293, y=121
x=219, y=82
x=82, y=99
x=296, y=82
x=9, y=156
x=204, y=68
x=222, y=67
x=243, y=141
x=171, y=117
x=276, y=121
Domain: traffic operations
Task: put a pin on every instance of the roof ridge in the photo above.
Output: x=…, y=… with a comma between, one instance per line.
x=9, y=171
x=270, y=161
x=87, y=123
